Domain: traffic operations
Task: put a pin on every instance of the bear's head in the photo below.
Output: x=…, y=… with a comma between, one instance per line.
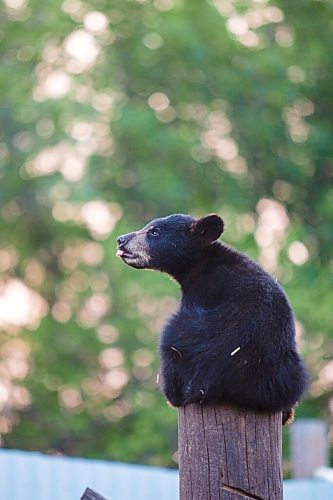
x=171, y=243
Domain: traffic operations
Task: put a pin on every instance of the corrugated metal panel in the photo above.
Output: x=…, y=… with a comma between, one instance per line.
x=33, y=476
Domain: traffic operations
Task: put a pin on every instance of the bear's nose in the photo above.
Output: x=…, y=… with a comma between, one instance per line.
x=121, y=240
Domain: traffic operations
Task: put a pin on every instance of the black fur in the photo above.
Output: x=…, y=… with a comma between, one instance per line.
x=233, y=338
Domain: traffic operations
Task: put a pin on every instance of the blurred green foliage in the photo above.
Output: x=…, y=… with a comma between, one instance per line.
x=113, y=113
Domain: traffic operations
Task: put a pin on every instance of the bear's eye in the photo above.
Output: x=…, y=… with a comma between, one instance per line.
x=154, y=231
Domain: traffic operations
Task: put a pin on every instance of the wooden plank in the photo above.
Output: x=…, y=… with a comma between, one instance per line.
x=92, y=495
x=229, y=454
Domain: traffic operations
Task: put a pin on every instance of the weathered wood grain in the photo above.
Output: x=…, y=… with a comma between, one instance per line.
x=229, y=454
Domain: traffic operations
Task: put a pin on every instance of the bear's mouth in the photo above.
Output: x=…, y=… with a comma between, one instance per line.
x=125, y=254
x=131, y=259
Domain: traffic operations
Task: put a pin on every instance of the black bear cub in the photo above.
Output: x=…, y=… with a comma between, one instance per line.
x=232, y=339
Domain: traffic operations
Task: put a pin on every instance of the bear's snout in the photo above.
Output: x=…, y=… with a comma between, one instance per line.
x=122, y=242
x=122, y=239
x=132, y=249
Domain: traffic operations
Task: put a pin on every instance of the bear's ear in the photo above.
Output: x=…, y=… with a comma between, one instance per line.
x=208, y=229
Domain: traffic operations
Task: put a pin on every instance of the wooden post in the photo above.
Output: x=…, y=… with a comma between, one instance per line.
x=229, y=454
x=90, y=494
